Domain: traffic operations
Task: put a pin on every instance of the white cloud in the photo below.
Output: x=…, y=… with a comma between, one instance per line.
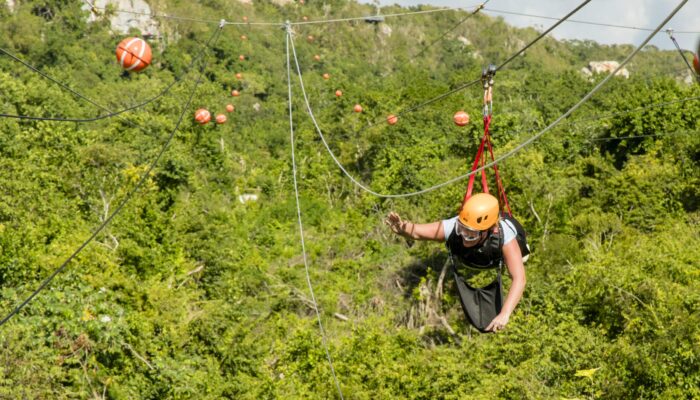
x=636, y=13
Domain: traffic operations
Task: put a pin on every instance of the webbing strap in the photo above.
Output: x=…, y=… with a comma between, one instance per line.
x=477, y=161
x=499, y=183
x=480, y=160
x=484, y=181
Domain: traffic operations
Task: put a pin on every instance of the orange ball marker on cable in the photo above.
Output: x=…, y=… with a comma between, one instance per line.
x=220, y=119
x=326, y=76
x=392, y=119
x=461, y=118
x=235, y=93
x=230, y=107
x=239, y=76
x=338, y=93
x=202, y=116
x=133, y=54
x=357, y=108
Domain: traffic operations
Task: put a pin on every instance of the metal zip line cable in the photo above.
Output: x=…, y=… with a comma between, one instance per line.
x=119, y=207
x=301, y=226
x=543, y=34
x=110, y=113
x=609, y=139
x=122, y=118
x=680, y=52
x=573, y=122
x=209, y=21
x=94, y=9
x=501, y=158
x=325, y=21
x=478, y=80
x=455, y=26
x=579, y=21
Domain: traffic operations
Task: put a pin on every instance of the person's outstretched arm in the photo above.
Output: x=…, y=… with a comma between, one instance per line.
x=408, y=229
x=514, y=260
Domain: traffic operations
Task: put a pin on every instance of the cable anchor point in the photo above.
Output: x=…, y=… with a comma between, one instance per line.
x=222, y=23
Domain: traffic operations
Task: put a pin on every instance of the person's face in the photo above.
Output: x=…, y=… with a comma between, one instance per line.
x=470, y=237
x=473, y=243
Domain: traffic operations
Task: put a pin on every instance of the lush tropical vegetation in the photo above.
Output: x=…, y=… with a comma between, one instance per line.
x=191, y=293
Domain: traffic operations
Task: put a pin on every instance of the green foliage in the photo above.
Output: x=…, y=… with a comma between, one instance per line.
x=190, y=292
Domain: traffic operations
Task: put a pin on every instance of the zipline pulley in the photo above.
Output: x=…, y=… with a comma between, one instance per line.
x=487, y=75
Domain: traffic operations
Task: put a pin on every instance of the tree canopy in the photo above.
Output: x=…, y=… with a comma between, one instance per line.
x=194, y=292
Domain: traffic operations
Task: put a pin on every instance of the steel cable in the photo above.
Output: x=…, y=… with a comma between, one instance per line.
x=119, y=207
x=504, y=156
x=110, y=113
x=301, y=227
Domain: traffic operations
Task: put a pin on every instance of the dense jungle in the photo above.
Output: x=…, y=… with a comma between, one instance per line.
x=197, y=287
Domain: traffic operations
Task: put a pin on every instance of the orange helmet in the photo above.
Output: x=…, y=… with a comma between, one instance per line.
x=480, y=212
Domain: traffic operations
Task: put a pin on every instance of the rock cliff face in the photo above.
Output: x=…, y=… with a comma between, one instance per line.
x=599, y=67
x=137, y=15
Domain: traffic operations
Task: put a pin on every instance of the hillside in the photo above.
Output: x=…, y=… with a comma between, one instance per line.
x=193, y=292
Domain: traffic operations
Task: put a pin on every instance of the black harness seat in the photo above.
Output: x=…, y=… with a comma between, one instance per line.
x=482, y=305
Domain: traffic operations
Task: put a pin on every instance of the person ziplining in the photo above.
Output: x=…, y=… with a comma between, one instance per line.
x=484, y=235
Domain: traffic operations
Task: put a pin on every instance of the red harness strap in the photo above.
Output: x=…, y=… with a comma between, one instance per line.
x=477, y=160
x=480, y=160
x=499, y=182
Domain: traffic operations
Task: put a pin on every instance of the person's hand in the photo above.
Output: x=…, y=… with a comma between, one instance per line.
x=498, y=323
x=398, y=226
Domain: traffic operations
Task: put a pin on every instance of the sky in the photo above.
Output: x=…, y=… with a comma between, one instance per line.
x=636, y=13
